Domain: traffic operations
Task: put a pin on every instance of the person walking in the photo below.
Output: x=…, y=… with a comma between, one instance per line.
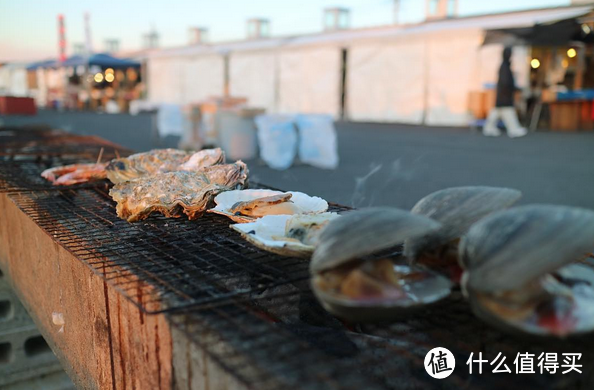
x=504, y=104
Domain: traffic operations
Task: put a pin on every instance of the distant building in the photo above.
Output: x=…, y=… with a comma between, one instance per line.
x=112, y=45
x=441, y=9
x=151, y=40
x=258, y=28
x=197, y=35
x=336, y=19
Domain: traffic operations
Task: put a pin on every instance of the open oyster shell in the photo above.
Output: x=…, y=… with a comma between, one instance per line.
x=522, y=272
x=456, y=209
x=176, y=193
x=273, y=233
x=299, y=203
x=356, y=287
x=162, y=161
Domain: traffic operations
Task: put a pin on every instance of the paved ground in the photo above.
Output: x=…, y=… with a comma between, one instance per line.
x=396, y=165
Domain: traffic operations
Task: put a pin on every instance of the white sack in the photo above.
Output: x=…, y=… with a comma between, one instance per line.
x=170, y=120
x=277, y=139
x=317, y=141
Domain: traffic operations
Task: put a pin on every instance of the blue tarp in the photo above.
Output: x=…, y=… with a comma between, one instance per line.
x=100, y=59
x=42, y=64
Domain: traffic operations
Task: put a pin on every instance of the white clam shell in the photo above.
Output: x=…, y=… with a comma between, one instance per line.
x=226, y=200
x=268, y=232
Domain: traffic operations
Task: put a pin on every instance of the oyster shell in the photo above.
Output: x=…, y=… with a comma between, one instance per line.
x=161, y=161
x=355, y=287
x=298, y=203
x=271, y=233
x=521, y=271
x=176, y=193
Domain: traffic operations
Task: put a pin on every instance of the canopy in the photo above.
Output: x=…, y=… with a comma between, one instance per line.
x=42, y=64
x=553, y=34
x=100, y=59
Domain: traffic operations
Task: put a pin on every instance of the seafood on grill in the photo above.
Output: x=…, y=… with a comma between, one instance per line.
x=456, y=209
x=354, y=281
x=75, y=173
x=162, y=161
x=248, y=205
x=287, y=235
x=176, y=193
x=525, y=270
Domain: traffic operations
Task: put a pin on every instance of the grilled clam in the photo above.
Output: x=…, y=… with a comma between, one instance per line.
x=456, y=209
x=523, y=271
x=352, y=285
x=176, y=193
x=162, y=161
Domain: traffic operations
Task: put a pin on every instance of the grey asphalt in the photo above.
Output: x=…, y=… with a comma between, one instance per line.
x=395, y=165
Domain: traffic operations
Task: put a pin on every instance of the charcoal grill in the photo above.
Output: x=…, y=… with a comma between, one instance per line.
x=253, y=311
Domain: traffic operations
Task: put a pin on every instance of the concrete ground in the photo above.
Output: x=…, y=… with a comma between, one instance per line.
x=396, y=165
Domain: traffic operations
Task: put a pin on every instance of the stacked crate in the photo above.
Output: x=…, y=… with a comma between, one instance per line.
x=26, y=361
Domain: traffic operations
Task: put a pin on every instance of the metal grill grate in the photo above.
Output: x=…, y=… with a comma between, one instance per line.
x=25, y=175
x=44, y=144
x=186, y=263
x=253, y=312
x=292, y=343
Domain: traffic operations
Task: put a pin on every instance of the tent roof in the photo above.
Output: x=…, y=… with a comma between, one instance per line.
x=516, y=19
x=100, y=59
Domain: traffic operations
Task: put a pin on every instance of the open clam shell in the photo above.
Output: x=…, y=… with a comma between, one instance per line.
x=521, y=272
x=270, y=233
x=300, y=203
x=456, y=209
x=341, y=257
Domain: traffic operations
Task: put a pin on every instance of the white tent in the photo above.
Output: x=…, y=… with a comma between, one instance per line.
x=309, y=80
x=419, y=73
x=13, y=80
x=183, y=76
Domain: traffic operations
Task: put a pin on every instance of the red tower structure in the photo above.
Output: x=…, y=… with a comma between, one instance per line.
x=61, y=38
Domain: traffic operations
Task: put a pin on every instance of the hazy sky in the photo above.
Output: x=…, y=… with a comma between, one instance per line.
x=28, y=27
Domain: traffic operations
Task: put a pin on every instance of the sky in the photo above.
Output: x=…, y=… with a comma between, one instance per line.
x=28, y=28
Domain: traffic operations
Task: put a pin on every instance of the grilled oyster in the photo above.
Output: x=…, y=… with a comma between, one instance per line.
x=307, y=228
x=522, y=270
x=269, y=205
x=248, y=205
x=161, y=161
x=286, y=235
x=456, y=209
x=356, y=287
x=176, y=193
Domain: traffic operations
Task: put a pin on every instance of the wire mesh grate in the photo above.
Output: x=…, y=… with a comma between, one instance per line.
x=292, y=343
x=186, y=263
x=253, y=311
x=37, y=144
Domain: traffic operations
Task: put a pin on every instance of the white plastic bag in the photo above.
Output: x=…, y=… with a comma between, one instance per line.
x=170, y=120
x=317, y=141
x=277, y=138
